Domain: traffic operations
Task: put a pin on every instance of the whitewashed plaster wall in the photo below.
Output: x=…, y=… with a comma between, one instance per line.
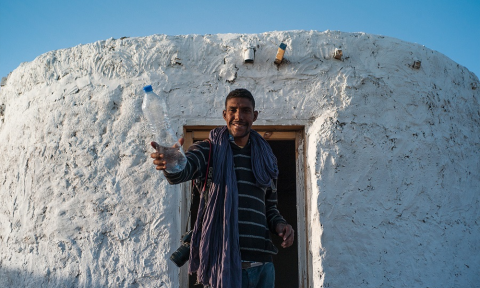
x=392, y=157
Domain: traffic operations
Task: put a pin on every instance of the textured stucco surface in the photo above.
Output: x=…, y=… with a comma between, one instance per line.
x=392, y=157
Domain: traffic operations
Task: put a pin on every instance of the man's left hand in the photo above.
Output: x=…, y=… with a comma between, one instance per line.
x=287, y=233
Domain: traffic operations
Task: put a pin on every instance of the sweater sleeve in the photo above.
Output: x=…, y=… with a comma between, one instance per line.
x=273, y=215
x=197, y=160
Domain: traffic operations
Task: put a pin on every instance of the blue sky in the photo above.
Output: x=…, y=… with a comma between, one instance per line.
x=30, y=28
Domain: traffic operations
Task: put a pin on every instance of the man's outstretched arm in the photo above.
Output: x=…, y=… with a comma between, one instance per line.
x=197, y=157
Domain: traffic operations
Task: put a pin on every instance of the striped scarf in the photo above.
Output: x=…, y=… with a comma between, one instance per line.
x=215, y=249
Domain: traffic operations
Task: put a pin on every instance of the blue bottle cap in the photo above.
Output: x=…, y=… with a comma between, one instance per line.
x=148, y=88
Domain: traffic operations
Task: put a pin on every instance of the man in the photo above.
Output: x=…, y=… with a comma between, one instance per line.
x=231, y=246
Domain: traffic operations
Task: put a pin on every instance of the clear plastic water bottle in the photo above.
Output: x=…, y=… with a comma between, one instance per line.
x=155, y=110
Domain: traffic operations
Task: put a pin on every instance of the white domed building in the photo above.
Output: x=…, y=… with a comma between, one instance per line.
x=378, y=141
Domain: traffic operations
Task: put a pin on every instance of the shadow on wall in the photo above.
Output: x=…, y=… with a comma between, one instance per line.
x=10, y=277
x=19, y=278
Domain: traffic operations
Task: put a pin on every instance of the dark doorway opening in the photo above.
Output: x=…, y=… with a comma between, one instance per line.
x=286, y=261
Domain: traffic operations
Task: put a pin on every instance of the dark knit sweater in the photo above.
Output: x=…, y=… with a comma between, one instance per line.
x=257, y=207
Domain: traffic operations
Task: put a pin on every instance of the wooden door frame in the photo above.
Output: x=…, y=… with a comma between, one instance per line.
x=275, y=132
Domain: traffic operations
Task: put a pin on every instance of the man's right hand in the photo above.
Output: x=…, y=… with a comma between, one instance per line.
x=158, y=161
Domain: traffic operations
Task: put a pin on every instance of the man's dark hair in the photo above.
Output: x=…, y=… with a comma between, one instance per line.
x=240, y=93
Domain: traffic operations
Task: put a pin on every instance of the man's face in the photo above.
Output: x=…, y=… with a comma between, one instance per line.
x=239, y=115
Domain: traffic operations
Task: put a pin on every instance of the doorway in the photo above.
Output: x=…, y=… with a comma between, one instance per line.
x=287, y=145
x=286, y=261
